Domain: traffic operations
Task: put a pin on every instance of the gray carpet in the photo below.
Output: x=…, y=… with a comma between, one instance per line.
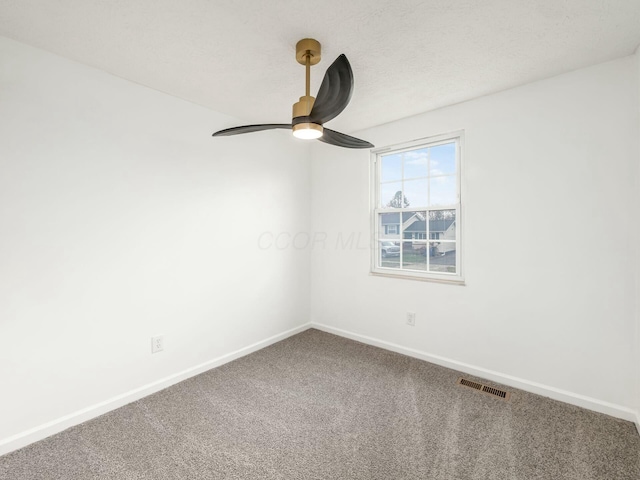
x=317, y=406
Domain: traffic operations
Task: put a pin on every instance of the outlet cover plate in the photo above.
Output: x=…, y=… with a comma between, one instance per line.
x=157, y=344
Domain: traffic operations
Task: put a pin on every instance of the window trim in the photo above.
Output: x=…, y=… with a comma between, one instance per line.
x=374, y=167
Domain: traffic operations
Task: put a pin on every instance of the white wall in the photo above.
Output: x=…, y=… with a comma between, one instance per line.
x=549, y=222
x=121, y=218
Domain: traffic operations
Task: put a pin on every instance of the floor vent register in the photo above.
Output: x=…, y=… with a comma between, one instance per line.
x=496, y=392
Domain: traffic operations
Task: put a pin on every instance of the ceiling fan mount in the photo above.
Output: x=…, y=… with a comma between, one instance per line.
x=309, y=113
x=308, y=48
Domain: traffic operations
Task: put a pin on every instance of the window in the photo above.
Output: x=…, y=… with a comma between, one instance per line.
x=416, y=209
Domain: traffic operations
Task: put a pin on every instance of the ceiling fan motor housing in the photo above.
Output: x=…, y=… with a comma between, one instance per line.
x=303, y=107
x=301, y=111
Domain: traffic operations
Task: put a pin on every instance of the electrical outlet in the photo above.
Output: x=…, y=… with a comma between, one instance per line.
x=411, y=319
x=157, y=344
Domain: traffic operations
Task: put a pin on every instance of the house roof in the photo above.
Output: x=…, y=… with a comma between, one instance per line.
x=434, y=225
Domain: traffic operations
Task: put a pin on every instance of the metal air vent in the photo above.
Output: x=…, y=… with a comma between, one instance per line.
x=496, y=392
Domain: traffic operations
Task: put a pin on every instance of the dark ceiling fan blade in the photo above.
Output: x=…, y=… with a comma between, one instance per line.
x=335, y=91
x=341, y=140
x=251, y=128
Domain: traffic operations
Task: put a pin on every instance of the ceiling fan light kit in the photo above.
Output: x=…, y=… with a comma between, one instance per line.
x=307, y=131
x=309, y=113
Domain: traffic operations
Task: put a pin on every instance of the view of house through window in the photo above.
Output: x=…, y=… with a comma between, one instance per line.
x=417, y=209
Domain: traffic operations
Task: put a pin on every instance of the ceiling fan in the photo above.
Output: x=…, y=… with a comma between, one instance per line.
x=310, y=114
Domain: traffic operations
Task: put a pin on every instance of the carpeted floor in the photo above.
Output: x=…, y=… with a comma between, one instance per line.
x=317, y=406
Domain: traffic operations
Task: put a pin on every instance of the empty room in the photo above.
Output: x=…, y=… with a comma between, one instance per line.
x=366, y=240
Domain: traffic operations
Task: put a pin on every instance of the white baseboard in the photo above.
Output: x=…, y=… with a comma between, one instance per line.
x=45, y=430
x=533, y=387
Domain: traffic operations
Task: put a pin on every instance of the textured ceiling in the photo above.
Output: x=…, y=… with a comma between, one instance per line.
x=408, y=56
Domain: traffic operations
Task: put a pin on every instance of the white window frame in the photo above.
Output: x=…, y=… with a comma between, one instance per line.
x=375, y=166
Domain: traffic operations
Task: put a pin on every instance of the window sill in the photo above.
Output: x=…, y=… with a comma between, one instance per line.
x=456, y=281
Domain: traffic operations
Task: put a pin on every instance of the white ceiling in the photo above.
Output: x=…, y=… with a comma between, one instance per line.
x=408, y=56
